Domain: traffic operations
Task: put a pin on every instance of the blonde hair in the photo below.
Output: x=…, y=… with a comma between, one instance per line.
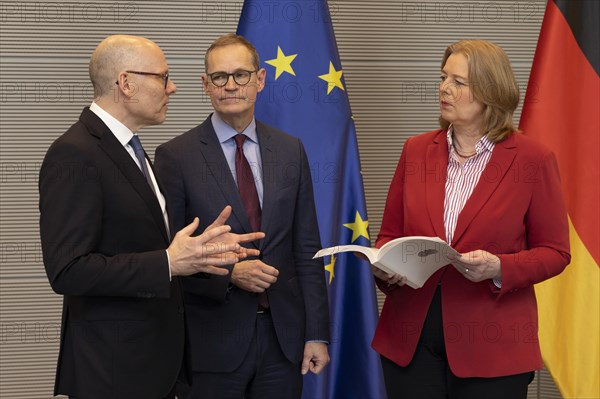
x=492, y=82
x=228, y=40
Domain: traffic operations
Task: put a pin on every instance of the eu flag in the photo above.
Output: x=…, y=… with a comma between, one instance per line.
x=305, y=95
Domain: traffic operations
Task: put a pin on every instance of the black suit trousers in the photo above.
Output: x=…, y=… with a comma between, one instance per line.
x=265, y=372
x=428, y=376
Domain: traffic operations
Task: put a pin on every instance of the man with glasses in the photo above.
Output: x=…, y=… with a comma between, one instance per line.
x=105, y=236
x=256, y=331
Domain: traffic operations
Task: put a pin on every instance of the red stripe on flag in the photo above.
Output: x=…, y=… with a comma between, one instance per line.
x=561, y=109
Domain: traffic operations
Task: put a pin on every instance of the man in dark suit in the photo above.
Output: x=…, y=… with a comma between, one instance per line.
x=256, y=331
x=105, y=236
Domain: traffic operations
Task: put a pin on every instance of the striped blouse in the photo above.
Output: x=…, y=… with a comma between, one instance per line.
x=462, y=179
x=461, y=182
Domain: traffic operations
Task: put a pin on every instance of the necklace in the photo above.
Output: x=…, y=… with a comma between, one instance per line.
x=464, y=156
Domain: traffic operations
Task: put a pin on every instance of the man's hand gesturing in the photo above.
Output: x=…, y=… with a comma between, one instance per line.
x=216, y=246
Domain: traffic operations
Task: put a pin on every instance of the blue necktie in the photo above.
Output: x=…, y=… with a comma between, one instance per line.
x=141, y=156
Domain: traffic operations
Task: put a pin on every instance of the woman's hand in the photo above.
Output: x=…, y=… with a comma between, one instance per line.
x=478, y=265
x=390, y=279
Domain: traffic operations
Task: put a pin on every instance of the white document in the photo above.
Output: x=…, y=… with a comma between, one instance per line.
x=415, y=257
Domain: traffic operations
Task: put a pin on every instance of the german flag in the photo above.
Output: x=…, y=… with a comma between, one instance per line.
x=562, y=110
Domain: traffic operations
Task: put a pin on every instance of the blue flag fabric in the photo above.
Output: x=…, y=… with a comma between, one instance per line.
x=305, y=96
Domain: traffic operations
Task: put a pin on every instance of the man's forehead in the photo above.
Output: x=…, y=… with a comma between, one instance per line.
x=230, y=52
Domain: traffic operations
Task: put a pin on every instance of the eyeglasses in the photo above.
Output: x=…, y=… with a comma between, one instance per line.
x=163, y=76
x=241, y=77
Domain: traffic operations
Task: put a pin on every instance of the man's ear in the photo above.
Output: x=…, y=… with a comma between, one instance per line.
x=261, y=76
x=127, y=87
x=208, y=87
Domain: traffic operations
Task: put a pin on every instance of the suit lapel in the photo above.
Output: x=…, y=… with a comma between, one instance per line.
x=119, y=155
x=219, y=169
x=269, y=160
x=434, y=173
x=170, y=228
x=502, y=158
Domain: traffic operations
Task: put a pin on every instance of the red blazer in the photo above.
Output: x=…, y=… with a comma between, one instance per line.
x=517, y=212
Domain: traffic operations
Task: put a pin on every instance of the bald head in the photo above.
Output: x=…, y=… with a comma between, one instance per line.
x=117, y=53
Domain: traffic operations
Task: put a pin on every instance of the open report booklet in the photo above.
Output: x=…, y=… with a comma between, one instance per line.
x=415, y=257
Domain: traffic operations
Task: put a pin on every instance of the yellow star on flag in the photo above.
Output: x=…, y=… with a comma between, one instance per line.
x=329, y=267
x=359, y=227
x=283, y=63
x=333, y=78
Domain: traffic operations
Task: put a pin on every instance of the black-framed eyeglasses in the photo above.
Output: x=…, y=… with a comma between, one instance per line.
x=163, y=76
x=220, y=79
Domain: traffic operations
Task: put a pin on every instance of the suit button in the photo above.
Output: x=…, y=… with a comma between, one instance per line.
x=181, y=310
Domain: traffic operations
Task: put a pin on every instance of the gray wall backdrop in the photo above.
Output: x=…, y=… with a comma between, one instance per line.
x=390, y=51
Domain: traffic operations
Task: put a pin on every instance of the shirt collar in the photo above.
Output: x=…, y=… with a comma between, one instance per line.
x=121, y=132
x=226, y=132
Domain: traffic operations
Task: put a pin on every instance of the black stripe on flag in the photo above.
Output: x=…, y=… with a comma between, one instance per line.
x=583, y=16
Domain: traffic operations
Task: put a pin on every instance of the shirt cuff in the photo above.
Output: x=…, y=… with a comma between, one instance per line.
x=497, y=282
x=318, y=341
x=169, y=264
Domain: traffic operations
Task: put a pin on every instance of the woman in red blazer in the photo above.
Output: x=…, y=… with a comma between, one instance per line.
x=495, y=196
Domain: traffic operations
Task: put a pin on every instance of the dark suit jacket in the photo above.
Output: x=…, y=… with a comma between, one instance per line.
x=517, y=212
x=103, y=239
x=221, y=317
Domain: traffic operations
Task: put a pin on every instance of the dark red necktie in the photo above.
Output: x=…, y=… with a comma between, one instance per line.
x=249, y=196
x=246, y=186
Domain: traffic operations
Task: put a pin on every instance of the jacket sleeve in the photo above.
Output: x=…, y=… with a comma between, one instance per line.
x=546, y=229
x=72, y=227
x=307, y=242
x=392, y=224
